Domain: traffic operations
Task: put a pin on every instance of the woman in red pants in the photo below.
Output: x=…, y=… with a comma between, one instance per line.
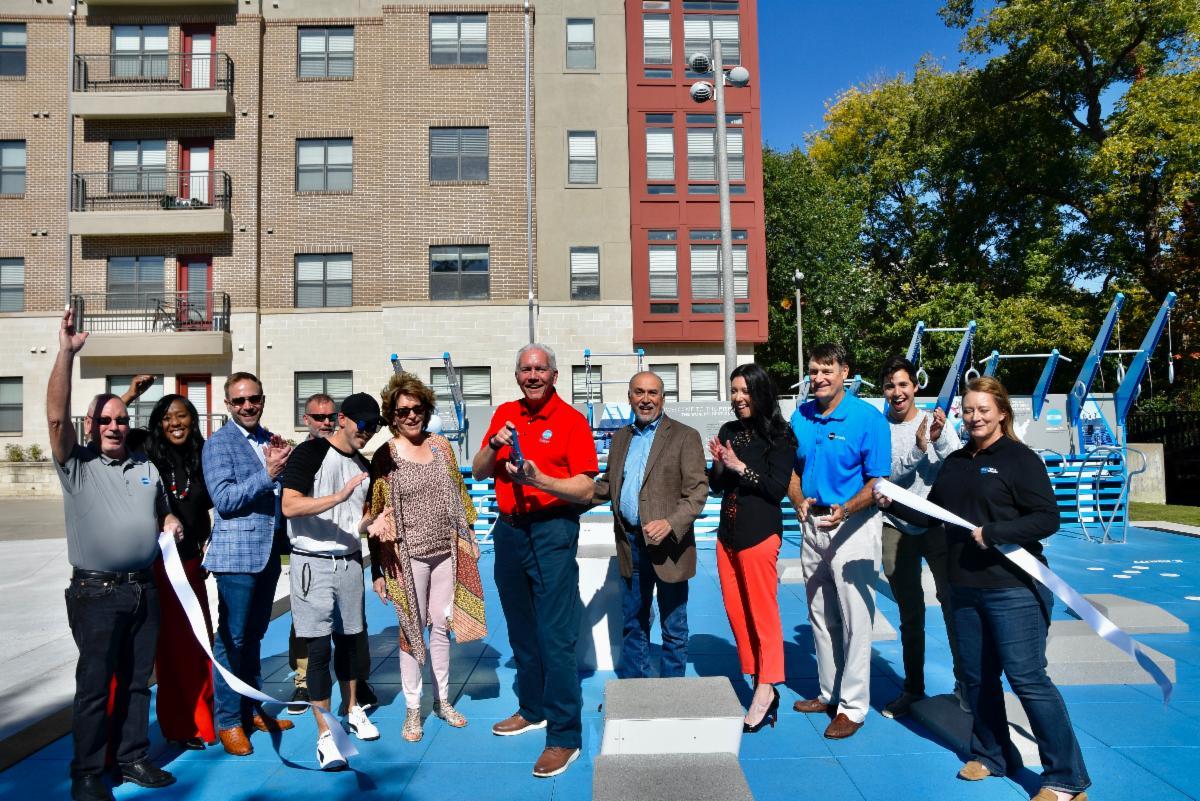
x=752, y=464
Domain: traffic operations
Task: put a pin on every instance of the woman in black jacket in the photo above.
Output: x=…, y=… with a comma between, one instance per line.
x=751, y=464
x=1001, y=614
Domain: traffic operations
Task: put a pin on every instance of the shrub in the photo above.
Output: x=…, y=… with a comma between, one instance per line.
x=36, y=454
x=15, y=453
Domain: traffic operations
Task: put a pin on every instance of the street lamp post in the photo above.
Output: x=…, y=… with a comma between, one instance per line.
x=798, y=276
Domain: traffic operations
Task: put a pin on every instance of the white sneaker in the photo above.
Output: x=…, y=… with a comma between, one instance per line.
x=328, y=755
x=362, y=727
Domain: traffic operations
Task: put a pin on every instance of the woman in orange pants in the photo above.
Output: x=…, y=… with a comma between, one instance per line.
x=752, y=464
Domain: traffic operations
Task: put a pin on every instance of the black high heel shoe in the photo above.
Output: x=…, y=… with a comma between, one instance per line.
x=769, y=718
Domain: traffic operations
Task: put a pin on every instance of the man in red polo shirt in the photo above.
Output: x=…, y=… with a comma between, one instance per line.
x=541, y=491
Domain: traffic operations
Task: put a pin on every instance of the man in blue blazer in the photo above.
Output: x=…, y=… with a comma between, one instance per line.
x=242, y=464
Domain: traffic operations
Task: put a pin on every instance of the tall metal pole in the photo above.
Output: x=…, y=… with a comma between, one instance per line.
x=70, y=146
x=727, y=305
x=798, y=276
x=529, y=187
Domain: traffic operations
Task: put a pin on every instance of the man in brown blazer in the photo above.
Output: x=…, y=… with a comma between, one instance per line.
x=656, y=482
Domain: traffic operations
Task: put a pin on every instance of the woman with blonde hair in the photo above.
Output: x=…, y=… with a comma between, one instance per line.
x=1001, y=614
x=423, y=551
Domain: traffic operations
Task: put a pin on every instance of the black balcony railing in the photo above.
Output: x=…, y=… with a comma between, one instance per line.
x=150, y=189
x=132, y=72
x=148, y=311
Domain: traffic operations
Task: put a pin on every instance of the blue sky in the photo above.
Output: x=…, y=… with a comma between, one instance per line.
x=812, y=50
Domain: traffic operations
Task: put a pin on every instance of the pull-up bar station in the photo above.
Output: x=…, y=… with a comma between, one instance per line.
x=960, y=366
x=590, y=381
x=1042, y=389
x=459, y=432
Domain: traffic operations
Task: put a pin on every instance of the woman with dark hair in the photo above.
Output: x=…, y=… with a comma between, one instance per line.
x=1001, y=614
x=752, y=459
x=185, y=689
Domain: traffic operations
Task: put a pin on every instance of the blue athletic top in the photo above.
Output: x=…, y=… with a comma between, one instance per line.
x=838, y=452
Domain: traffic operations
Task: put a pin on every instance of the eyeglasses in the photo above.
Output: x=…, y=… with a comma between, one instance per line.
x=402, y=412
x=104, y=420
x=253, y=400
x=321, y=418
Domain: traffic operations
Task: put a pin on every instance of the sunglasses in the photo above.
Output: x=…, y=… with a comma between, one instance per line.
x=253, y=400
x=321, y=418
x=104, y=420
x=366, y=428
x=404, y=411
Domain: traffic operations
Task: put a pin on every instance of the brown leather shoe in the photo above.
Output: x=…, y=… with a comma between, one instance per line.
x=812, y=706
x=267, y=723
x=235, y=741
x=842, y=727
x=554, y=760
x=1046, y=794
x=974, y=771
x=516, y=725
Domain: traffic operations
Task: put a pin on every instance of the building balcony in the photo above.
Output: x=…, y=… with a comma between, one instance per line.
x=114, y=86
x=154, y=324
x=150, y=203
x=167, y=4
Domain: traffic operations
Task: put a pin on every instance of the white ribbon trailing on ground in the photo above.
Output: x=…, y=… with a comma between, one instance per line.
x=1023, y=559
x=191, y=608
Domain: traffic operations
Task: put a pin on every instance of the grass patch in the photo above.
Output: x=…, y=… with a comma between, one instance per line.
x=1189, y=515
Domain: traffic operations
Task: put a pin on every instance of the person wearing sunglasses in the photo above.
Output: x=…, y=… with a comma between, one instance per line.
x=115, y=504
x=242, y=463
x=324, y=494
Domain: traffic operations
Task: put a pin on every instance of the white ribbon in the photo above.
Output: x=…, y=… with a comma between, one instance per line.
x=191, y=608
x=1023, y=559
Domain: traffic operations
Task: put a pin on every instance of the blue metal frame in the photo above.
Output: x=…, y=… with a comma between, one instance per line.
x=1043, y=385
x=1091, y=365
x=1127, y=392
x=459, y=434
x=959, y=366
x=993, y=363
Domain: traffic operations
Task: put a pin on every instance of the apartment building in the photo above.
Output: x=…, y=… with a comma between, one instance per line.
x=302, y=188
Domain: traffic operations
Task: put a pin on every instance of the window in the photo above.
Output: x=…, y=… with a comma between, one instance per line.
x=11, y=406
x=458, y=154
x=475, y=383
x=660, y=151
x=706, y=382
x=664, y=272
x=325, y=52
x=337, y=385
x=135, y=282
x=581, y=157
x=139, y=52
x=458, y=273
x=656, y=39
x=585, y=273
x=323, y=279
x=700, y=30
x=12, y=49
x=139, y=410
x=669, y=373
x=702, y=150
x=12, y=285
x=138, y=165
x=324, y=165
x=581, y=44
x=458, y=38
x=579, y=385
x=12, y=167
x=706, y=271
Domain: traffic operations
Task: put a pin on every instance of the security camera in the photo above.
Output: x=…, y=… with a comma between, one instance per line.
x=700, y=63
x=702, y=91
x=739, y=76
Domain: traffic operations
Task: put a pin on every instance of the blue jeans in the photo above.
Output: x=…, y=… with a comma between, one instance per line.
x=537, y=579
x=637, y=595
x=244, y=603
x=1005, y=629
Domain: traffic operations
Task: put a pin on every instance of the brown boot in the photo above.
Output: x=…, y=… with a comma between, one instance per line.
x=264, y=722
x=235, y=741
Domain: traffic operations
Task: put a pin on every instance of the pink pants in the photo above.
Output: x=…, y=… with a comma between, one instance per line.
x=434, y=580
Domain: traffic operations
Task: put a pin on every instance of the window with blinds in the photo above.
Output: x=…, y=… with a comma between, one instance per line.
x=702, y=150
x=12, y=405
x=656, y=39
x=582, y=166
x=700, y=30
x=12, y=49
x=459, y=272
x=325, y=52
x=324, y=165
x=12, y=167
x=664, y=271
x=324, y=279
x=669, y=373
x=581, y=44
x=706, y=382
x=475, y=383
x=139, y=410
x=458, y=154
x=135, y=282
x=137, y=166
x=458, y=38
x=12, y=285
x=139, y=52
x=585, y=273
x=336, y=384
x=579, y=385
x=706, y=271
x=660, y=151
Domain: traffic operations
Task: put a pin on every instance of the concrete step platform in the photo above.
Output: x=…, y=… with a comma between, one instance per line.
x=671, y=716
x=1137, y=617
x=942, y=715
x=1078, y=655
x=669, y=777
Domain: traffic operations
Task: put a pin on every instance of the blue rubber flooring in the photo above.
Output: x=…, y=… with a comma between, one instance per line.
x=1133, y=745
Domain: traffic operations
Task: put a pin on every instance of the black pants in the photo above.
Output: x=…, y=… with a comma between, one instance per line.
x=115, y=627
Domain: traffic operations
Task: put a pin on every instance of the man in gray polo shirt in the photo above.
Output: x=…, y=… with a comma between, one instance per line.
x=115, y=506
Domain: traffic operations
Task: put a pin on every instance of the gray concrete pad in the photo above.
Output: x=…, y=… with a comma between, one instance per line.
x=1137, y=617
x=669, y=777
x=790, y=571
x=942, y=715
x=1163, y=525
x=691, y=697
x=1077, y=655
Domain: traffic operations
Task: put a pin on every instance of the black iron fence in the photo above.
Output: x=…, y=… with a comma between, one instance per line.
x=148, y=311
x=1179, y=434
x=150, y=189
x=125, y=72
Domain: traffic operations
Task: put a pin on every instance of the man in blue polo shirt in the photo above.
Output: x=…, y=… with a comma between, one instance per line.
x=844, y=445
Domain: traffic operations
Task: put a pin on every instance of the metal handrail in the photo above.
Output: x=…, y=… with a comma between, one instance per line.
x=152, y=311
x=150, y=190
x=124, y=72
x=1105, y=454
